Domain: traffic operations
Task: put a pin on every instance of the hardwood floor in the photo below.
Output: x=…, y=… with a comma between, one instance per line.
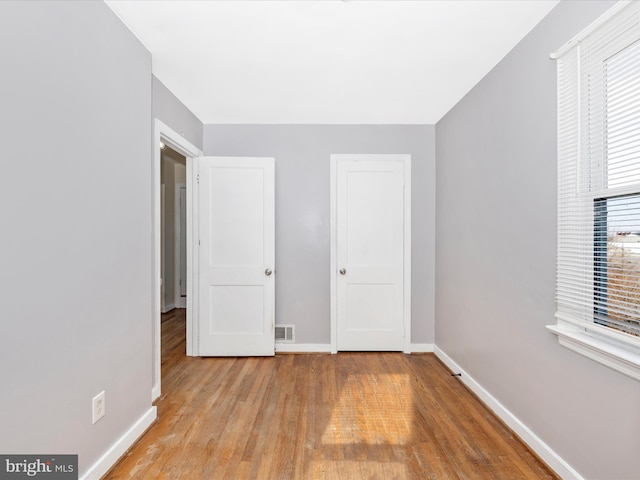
x=346, y=416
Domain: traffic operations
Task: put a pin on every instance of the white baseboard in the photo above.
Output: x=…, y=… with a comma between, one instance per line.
x=421, y=348
x=119, y=448
x=303, y=348
x=326, y=348
x=168, y=308
x=544, y=451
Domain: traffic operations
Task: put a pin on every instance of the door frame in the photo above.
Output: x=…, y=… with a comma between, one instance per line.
x=162, y=133
x=406, y=160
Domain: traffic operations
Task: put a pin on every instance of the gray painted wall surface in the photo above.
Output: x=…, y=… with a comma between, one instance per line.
x=302, y=155
x=172, y=112
x=495, y=260
x=75, y=259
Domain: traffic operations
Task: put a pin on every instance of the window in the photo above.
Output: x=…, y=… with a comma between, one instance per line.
x=598, y=271
x=616, y=260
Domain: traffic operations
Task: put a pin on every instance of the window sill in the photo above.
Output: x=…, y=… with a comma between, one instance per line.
x=618, y=358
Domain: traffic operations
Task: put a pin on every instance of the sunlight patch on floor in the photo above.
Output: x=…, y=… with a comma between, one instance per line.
x=372, y=410
x=343, y=469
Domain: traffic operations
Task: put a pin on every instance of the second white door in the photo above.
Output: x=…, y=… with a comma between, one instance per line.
x=370, y=229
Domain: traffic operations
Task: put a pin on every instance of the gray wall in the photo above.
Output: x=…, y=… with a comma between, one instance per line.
x=172, y=112
x=495, y=260
x=302, y=155
x=75, y=92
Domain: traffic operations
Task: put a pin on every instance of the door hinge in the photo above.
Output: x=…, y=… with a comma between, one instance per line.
x=198, y=178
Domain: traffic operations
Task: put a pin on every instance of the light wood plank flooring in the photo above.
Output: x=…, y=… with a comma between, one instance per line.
x=346, y=416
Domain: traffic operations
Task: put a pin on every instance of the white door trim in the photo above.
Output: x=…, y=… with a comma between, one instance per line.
x=406, y=159
x=164, y=133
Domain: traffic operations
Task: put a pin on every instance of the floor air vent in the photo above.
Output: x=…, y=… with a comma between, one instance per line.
x=285, y=333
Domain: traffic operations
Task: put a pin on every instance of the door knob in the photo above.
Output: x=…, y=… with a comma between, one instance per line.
x=268, y=272
x=343, y=271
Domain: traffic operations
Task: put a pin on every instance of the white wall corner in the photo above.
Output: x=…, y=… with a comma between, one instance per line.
x=421, y=348
x=119, y=448
x=544, y=451
x=155, y=392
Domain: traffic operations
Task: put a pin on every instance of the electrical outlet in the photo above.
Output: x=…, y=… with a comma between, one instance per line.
x=99, y=407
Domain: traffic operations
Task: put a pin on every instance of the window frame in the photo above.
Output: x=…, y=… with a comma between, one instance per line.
x=608, y=346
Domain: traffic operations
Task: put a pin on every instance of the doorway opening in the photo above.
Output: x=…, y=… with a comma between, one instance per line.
x=173, y=251
x=172, y=272
x=173, y=179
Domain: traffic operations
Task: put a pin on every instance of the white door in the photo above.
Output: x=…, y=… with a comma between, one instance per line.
x=180, y=246
x=236, y=256
x=163, y=248
x=370, y=253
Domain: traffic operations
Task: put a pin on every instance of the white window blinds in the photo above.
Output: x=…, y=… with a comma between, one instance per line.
x=598, y=270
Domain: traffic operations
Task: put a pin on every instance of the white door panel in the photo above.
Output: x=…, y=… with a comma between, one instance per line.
x=370, y=217
x=370, y=307
x=236, y=217
x=183, y=245
x=229, y=319
x=237, y=253
x=370, y=254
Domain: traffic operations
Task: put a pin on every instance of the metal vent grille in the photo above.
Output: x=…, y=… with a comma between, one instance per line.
x=285, y=333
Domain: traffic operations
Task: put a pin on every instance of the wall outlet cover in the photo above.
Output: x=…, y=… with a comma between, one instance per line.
x=99, y=408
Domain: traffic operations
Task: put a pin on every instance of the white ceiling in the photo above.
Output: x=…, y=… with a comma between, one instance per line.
x=326, y=61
